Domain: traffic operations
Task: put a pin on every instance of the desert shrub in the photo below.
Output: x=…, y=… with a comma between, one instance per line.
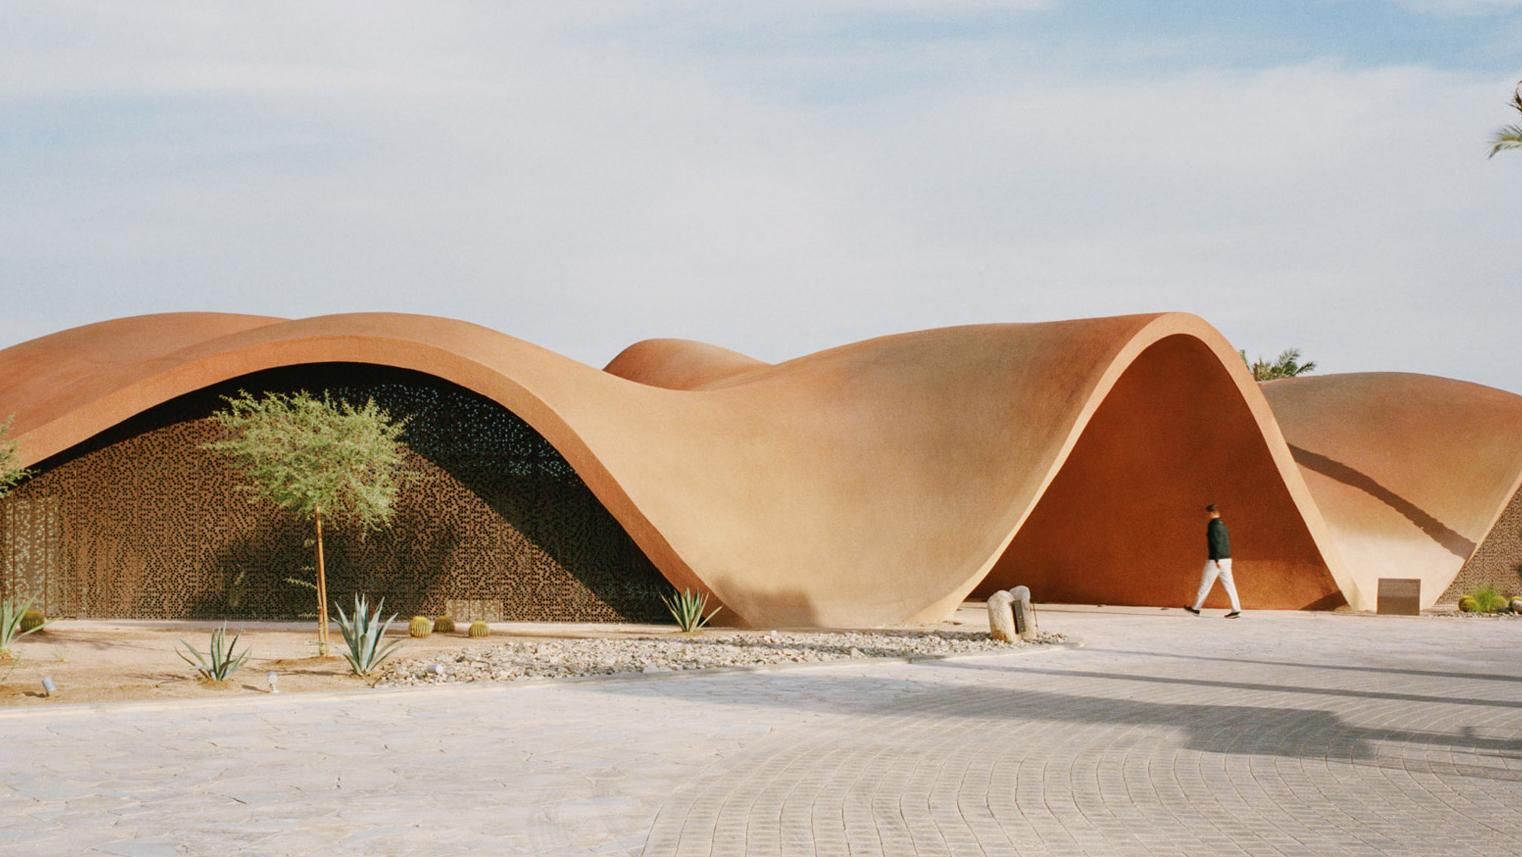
x=1488, y=600
x=687, y=608
x=420, y=626
x=221, y=661
x=1467, y=604
x=479, y=629
x=363, y=633
x=443, y=624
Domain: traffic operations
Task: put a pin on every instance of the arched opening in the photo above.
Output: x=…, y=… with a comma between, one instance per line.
x=1123, y=521
x=140, y=522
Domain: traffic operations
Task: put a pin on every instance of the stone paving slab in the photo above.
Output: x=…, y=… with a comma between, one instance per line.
x=1164, y=735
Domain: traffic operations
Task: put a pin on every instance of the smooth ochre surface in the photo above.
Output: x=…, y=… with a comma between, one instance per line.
x=1283, y=733
x=881, y=482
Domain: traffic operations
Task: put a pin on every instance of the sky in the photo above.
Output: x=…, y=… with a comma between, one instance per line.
x=776, y=177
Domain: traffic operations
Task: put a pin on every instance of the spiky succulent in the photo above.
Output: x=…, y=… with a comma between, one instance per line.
x=420, y=626
x=687, y=608
x=32, y=620
x=12, y=623
x=364, y=634
x=479, y=629
x=221, y=659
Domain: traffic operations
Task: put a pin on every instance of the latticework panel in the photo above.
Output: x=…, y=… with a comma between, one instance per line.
x=1497, y=561
x=150, y=525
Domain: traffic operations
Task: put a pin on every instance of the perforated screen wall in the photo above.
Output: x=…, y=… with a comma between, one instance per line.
x=141, y=522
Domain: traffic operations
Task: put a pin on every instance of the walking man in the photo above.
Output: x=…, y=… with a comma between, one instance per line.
x=1219, y=564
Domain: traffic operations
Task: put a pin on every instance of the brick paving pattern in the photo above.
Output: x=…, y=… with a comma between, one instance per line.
x=1281, y=734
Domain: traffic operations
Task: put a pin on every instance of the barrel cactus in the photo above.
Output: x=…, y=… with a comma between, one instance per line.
x=420, y=626
x=479, y=629
x=443, y=624
x=32, y=620
x=1467, y=604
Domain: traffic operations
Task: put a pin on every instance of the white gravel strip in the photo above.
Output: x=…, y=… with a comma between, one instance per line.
x=519, y=659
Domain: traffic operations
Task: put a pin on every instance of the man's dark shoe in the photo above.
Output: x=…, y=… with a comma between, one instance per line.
x=1191, y=610
x=1235, y=614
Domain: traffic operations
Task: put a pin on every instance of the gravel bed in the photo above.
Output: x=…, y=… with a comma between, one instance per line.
x=518, y=659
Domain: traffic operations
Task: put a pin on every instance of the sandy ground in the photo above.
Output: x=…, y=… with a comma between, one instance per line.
x=108, y=661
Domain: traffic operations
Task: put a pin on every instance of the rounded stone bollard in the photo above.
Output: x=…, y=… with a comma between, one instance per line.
x=1001, y=617
x=1025, y=614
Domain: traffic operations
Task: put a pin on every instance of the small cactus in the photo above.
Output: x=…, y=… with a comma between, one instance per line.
x=443, y=624
x=1467, y=604
x=32, y=620
x=479, y=629
x=420, y=626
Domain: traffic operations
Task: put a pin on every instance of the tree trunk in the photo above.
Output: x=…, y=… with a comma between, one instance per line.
x=322, y=595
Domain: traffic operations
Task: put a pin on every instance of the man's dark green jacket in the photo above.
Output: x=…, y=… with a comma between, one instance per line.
x=1220, y=541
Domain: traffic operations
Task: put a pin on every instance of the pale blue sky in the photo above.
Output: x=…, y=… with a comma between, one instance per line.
x=776, y=178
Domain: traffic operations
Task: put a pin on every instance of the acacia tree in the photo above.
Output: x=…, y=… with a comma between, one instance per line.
x=317, y=459
x=1286, y=365
x=1510, y=136
x=11, y=473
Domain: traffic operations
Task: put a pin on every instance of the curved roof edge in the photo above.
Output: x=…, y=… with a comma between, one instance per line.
x=794, y=493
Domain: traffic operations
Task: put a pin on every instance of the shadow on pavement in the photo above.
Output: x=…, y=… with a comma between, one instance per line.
x=1303, y=665
x=1306, y=733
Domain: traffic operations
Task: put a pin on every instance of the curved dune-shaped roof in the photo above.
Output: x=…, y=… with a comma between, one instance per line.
x=681, y=364
x=884, y=481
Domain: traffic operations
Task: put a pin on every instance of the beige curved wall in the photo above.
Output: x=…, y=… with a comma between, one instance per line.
x=875, y=483
x=1410, y=472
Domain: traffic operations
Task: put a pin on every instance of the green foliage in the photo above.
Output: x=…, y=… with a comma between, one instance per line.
x=1487, y=600
x=221, y=660
x=11, y=473
x=444, y=624
x=32, y=620
x=318, y=459
x=1510, y=136
x=687, y=608
x=363, y=633
x=1286, y=365
x=312, y=456
x=420, y=626
x=1467, y=604
x=479, y=629
x=11, y=615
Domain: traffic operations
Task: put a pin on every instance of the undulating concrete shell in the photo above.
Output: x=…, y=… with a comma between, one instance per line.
x=882, y=482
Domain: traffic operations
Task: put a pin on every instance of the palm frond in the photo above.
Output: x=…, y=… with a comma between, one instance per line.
x=1507, y=138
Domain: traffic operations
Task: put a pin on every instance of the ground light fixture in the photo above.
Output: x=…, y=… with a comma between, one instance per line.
x=48, y=687
x=274, y=681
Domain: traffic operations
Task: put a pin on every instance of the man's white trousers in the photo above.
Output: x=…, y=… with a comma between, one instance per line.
x=1223, y=571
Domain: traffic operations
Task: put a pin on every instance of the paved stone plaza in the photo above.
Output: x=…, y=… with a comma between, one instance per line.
x=1283, y=733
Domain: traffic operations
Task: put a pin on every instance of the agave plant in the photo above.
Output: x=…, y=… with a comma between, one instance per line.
x=363, y=633
x=11, y=615
x=221, y=659
x=687, y=609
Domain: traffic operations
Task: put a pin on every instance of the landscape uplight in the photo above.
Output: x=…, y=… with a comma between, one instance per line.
x=48, y=687
x=274, y=681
